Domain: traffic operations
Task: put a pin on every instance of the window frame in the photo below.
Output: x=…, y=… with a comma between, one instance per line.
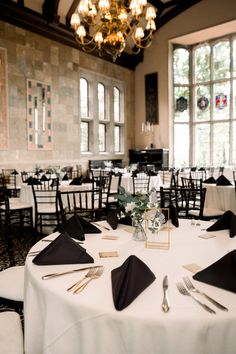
x=212, y=122
x=93, y=120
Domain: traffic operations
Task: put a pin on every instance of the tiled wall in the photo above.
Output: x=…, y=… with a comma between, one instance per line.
x=30, y=56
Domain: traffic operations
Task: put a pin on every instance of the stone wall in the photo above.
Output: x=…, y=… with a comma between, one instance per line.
x=30, y=56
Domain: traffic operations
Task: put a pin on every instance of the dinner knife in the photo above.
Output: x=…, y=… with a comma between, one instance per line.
x=165, y=302
x=53, y=275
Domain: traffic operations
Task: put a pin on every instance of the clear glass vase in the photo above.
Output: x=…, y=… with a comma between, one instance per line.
x=138, y=230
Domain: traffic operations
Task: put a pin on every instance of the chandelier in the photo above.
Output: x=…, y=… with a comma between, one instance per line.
x=109, y=26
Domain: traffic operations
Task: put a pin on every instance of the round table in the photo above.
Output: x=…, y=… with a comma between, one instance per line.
x=60, y=322
x=220, y=197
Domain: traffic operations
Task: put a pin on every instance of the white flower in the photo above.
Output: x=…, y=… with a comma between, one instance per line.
x=129, y=207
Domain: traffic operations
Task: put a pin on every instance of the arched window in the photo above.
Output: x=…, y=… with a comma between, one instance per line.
x=84, y=113
x=101, y=101
x=84, y=98
x=116, y=100
x=101, y=114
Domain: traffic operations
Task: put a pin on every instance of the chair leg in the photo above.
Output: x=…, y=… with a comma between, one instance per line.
x=10, y=247
x=41, y=224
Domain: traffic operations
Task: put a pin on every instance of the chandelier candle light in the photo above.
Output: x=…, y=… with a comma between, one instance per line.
x=147, y=128
x=106, y=25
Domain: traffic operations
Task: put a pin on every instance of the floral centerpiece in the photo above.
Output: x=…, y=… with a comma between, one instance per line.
x=134, y=206
x=139, y=207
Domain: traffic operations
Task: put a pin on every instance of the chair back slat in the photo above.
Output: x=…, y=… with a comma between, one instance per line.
x=45, y=195
x=87, y=203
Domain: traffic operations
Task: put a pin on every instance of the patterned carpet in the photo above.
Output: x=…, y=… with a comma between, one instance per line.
x=23, y=240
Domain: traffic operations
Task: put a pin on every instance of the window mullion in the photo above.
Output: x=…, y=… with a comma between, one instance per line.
x=212, y=105
x=191, y=111
x=231, y=105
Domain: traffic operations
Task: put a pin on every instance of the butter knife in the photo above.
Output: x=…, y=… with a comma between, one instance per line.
x=53, y=275
x=165, y=302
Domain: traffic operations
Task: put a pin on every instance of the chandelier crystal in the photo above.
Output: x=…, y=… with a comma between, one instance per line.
x=106, y=25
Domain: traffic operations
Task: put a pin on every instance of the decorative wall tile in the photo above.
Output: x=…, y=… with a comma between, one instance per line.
x=3, y=101
x=39, y=115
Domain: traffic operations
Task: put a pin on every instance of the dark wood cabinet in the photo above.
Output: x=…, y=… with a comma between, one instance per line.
x=157, y=157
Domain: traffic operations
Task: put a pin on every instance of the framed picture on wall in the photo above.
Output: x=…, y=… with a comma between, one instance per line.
x=151, y=98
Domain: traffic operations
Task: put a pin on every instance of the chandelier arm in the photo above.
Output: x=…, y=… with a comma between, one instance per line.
x=135, y=51
x=139, y=45
x=85, y=44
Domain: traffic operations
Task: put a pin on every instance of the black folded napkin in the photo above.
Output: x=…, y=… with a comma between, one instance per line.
x=86, y=179
x=201, y=169
x=44, y=178
x=88, y=227
x=223, y=181
x=34, y=181
x=226, y=221
x=76, y=181
x=112, y=219
x=173, y=215
x=126, y=220
x=14, y=172
x=76, y=226
x=63, y=250
x=222, y=273
x=129, y=280
x=210, y=180
x=28, y=180
x=65, y=177
x=73, y=228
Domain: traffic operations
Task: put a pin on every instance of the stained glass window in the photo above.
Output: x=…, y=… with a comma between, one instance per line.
x=202, y=102
x=208, y=123
x=181, y=104
x=221, y=94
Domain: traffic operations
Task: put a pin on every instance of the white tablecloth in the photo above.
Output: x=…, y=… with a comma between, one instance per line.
x=59, y=322
x=127, y=182
x=26, y=195
x=220, y=197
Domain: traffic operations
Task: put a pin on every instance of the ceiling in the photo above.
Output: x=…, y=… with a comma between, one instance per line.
x=51, y=18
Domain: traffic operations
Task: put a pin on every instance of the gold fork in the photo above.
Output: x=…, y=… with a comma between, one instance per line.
x=96, y=275
x=88, y=275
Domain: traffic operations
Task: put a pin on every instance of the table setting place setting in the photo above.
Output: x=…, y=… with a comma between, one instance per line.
x=128, y=280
